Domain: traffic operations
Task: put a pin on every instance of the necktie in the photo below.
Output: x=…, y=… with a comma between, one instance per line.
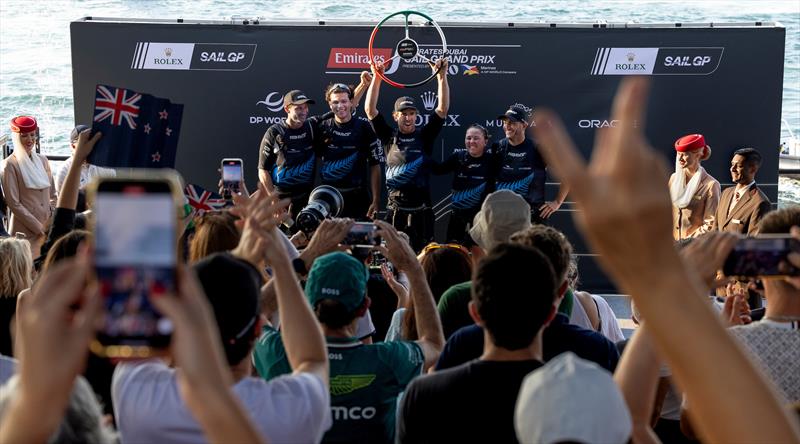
x=736, y=196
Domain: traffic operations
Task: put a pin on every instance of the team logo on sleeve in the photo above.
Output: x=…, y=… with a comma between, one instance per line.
x=338, y=169
x=293, y=176
x=344, y=384
x=397, y=176
x=519, y=186
x=469, y=198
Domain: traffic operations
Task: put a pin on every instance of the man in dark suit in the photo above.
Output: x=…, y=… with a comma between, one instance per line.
x=742, y=206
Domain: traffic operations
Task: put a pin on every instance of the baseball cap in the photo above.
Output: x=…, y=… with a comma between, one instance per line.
x=232, y=286
x=515, y=113
x=296, y=97
x=570, y=399
x=502, y=214
x=73, y=136
x=404, y=102
x=337, y=276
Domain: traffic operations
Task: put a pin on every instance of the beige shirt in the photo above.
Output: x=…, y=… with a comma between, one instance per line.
x=30, y=209
x=698, y=217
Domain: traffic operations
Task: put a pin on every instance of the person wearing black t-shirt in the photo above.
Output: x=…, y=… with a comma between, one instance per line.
x=347, y=146
x=512, y=300
x=472, y=182
x=522, y=169
x=287, y=157
x=408, y=156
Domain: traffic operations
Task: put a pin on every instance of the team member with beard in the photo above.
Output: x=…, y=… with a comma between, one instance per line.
x=408, y=156
x=346, y=144
x=472, y=182
x=694, y=193
x=287, y=159
x=521, y=168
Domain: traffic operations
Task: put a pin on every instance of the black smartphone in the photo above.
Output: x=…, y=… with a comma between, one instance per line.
x=231, y=175
x=135, y=259
x=362, y=234
x=763, y=255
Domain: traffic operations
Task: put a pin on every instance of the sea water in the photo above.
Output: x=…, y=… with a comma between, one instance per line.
x=35, y=53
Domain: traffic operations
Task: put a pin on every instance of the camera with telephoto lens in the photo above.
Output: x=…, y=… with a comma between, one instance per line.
x=325, y=201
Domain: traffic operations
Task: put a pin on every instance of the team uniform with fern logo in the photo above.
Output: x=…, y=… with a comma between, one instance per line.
x=408, y=170
x=522, y=170
x=289, y=156
x=473, y=180
x=347, y=149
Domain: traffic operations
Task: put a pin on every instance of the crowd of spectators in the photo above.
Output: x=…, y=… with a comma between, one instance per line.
x=488, y=342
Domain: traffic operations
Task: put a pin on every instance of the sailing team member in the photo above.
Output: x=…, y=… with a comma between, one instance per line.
x=347, y=146
x=408, y=156
x=695, y=194
x=287, y=157
x=472, y=182
x=521, y=168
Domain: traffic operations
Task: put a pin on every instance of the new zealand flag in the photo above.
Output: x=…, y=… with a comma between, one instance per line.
x=139, y=130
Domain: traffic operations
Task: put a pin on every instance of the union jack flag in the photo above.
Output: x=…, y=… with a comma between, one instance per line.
x=202, y=200
x=116, y=104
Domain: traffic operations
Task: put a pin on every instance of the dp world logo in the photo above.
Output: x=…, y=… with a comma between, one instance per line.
x=273, y=102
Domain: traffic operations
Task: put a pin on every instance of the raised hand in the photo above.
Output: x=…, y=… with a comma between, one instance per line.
x=706, y=254
x=397, y=250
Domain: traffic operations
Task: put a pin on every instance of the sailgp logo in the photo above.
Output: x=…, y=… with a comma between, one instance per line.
x=193, y=56
x=656, y=61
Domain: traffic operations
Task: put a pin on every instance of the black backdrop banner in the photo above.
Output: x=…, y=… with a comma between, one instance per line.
x=724, y=81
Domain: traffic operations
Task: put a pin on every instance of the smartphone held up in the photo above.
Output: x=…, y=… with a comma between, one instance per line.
x=135, y=259
x=232, y=174
x=763, y=256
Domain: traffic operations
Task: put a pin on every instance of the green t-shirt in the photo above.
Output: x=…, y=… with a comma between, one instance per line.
x=453, y=309
x=365, y=381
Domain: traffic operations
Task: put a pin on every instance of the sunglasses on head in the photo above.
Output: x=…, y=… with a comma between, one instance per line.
x=339, y=87
x=434, y=245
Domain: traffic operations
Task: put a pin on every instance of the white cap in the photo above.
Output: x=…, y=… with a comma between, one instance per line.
x=571, y=399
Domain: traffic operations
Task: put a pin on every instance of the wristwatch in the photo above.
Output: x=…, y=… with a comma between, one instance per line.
x=299, y=266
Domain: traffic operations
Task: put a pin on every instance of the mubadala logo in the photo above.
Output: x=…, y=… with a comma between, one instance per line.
x=428, y=100
x=273, y=102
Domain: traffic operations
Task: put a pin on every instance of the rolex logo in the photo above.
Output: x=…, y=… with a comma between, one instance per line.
x=631, y=56
x=168, y=52
x=428, y=100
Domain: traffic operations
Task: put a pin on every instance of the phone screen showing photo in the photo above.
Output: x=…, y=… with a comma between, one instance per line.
x=135, y=260
x=231, y=174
